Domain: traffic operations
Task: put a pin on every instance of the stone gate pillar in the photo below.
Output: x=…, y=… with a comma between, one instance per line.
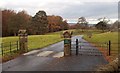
x=23, y=41
x=67, y=43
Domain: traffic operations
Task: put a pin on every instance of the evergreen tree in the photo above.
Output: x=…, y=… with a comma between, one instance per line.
x=40, y=23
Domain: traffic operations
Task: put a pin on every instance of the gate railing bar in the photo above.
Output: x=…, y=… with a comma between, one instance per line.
x=92, y=42
x=76, y=46
x=109, y=49
x=88, y=52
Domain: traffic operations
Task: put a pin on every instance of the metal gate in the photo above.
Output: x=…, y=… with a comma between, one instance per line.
x=90, y=49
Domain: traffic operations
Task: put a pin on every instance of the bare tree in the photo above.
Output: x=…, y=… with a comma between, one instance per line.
x=82, y=23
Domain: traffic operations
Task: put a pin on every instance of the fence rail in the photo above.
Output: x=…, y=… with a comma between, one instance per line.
x=9, y=47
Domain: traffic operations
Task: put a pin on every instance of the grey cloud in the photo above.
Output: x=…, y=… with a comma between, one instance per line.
x=72, y=10
x=91, y=9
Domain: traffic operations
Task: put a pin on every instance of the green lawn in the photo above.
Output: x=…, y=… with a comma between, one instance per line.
x=40, y=41
x=105, y=37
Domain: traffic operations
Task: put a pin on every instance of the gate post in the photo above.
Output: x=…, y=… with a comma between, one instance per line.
x=23, y=41
x=67, y=43
x=76, y=46
x=109, y=49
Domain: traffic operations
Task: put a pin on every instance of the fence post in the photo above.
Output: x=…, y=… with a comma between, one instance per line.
x=17, y=45
x=76, y=46
x=2, y=48
x=109, y=49
x=10, y=47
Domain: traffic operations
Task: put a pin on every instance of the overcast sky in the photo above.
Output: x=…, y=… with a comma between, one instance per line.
x=68, y=9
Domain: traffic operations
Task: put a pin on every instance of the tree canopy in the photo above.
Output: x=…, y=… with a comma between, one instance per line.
x=82, y=23
x=56, y=23
x=101, y=25
x=39, y=24
x=12, y=21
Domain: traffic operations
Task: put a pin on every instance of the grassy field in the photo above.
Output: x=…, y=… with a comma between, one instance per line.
x=40, y=41
x=85, y=32
x=105, y=37
x=37, y=41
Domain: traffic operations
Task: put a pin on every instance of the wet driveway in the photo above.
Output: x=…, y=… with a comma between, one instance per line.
x=46, y=60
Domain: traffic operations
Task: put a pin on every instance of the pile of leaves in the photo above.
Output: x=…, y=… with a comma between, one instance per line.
x=112, y=67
